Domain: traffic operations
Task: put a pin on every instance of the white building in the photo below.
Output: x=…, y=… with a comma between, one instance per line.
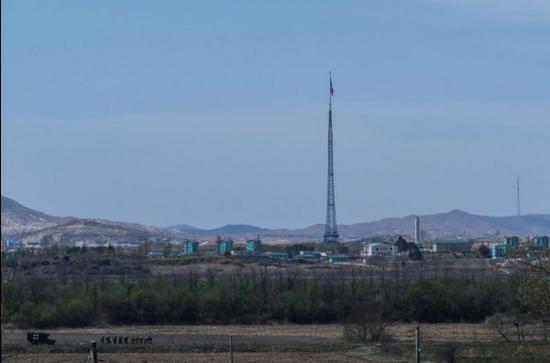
x=379, y=249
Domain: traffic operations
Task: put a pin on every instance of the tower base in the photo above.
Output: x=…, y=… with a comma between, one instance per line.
x=331, y=238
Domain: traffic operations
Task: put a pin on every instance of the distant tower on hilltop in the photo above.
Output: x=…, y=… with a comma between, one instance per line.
x=517, y=199
x=416, y=230
x=331, y=229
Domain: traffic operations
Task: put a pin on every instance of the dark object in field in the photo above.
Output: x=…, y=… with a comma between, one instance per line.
x=39, y=338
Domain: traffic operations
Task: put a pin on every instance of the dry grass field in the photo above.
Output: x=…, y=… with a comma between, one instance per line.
x=276, y=343
x=311, y=330
x=459, y=332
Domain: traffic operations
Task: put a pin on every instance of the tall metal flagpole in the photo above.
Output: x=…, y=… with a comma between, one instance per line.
x=331, y=231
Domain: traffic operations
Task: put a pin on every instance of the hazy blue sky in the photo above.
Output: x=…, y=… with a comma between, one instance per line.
x=215, y=112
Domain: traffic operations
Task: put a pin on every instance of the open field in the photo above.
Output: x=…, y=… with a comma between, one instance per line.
x=400, y=331
x=270, y=343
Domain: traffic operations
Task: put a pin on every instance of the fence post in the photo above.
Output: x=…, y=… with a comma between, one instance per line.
x=417, y=344
x=231, y=348
x=93, y=351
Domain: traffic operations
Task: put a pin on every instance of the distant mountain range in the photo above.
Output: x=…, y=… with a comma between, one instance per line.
x=453, y=223
x=24, y=223
x=228, y=229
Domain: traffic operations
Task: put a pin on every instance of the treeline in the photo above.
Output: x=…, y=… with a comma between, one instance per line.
x=257, y=297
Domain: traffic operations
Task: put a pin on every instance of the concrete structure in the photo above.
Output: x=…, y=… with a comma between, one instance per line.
x=276, y=255
x=455, y=245
x=338, y=259
x=254, y=246
x=417, y=230
x=379, y=249
x=225, y=246
x=310, y=254
x=191, y=247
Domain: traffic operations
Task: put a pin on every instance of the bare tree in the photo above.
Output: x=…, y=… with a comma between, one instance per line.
x=365, y=323
x=499, y=322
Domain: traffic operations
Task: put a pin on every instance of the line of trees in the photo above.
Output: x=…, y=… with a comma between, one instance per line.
x=261, y=296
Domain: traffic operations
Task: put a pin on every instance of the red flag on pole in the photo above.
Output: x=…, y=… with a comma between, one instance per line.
x=331, y=88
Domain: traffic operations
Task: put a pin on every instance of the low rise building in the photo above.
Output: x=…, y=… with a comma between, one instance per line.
x=511, y=241
x=538, y=247
x=379, y=249
x=310, y=254
x=509, y=244
x=541, y=241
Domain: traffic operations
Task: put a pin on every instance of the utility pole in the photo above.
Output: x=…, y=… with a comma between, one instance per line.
x=417, y=344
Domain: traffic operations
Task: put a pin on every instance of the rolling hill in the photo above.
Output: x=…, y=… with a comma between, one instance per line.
x=27, y=224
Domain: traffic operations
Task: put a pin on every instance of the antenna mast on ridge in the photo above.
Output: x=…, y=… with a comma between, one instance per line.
x=331, y=229
x=518, y=200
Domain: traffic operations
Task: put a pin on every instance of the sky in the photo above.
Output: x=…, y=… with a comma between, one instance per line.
x=215, y=112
